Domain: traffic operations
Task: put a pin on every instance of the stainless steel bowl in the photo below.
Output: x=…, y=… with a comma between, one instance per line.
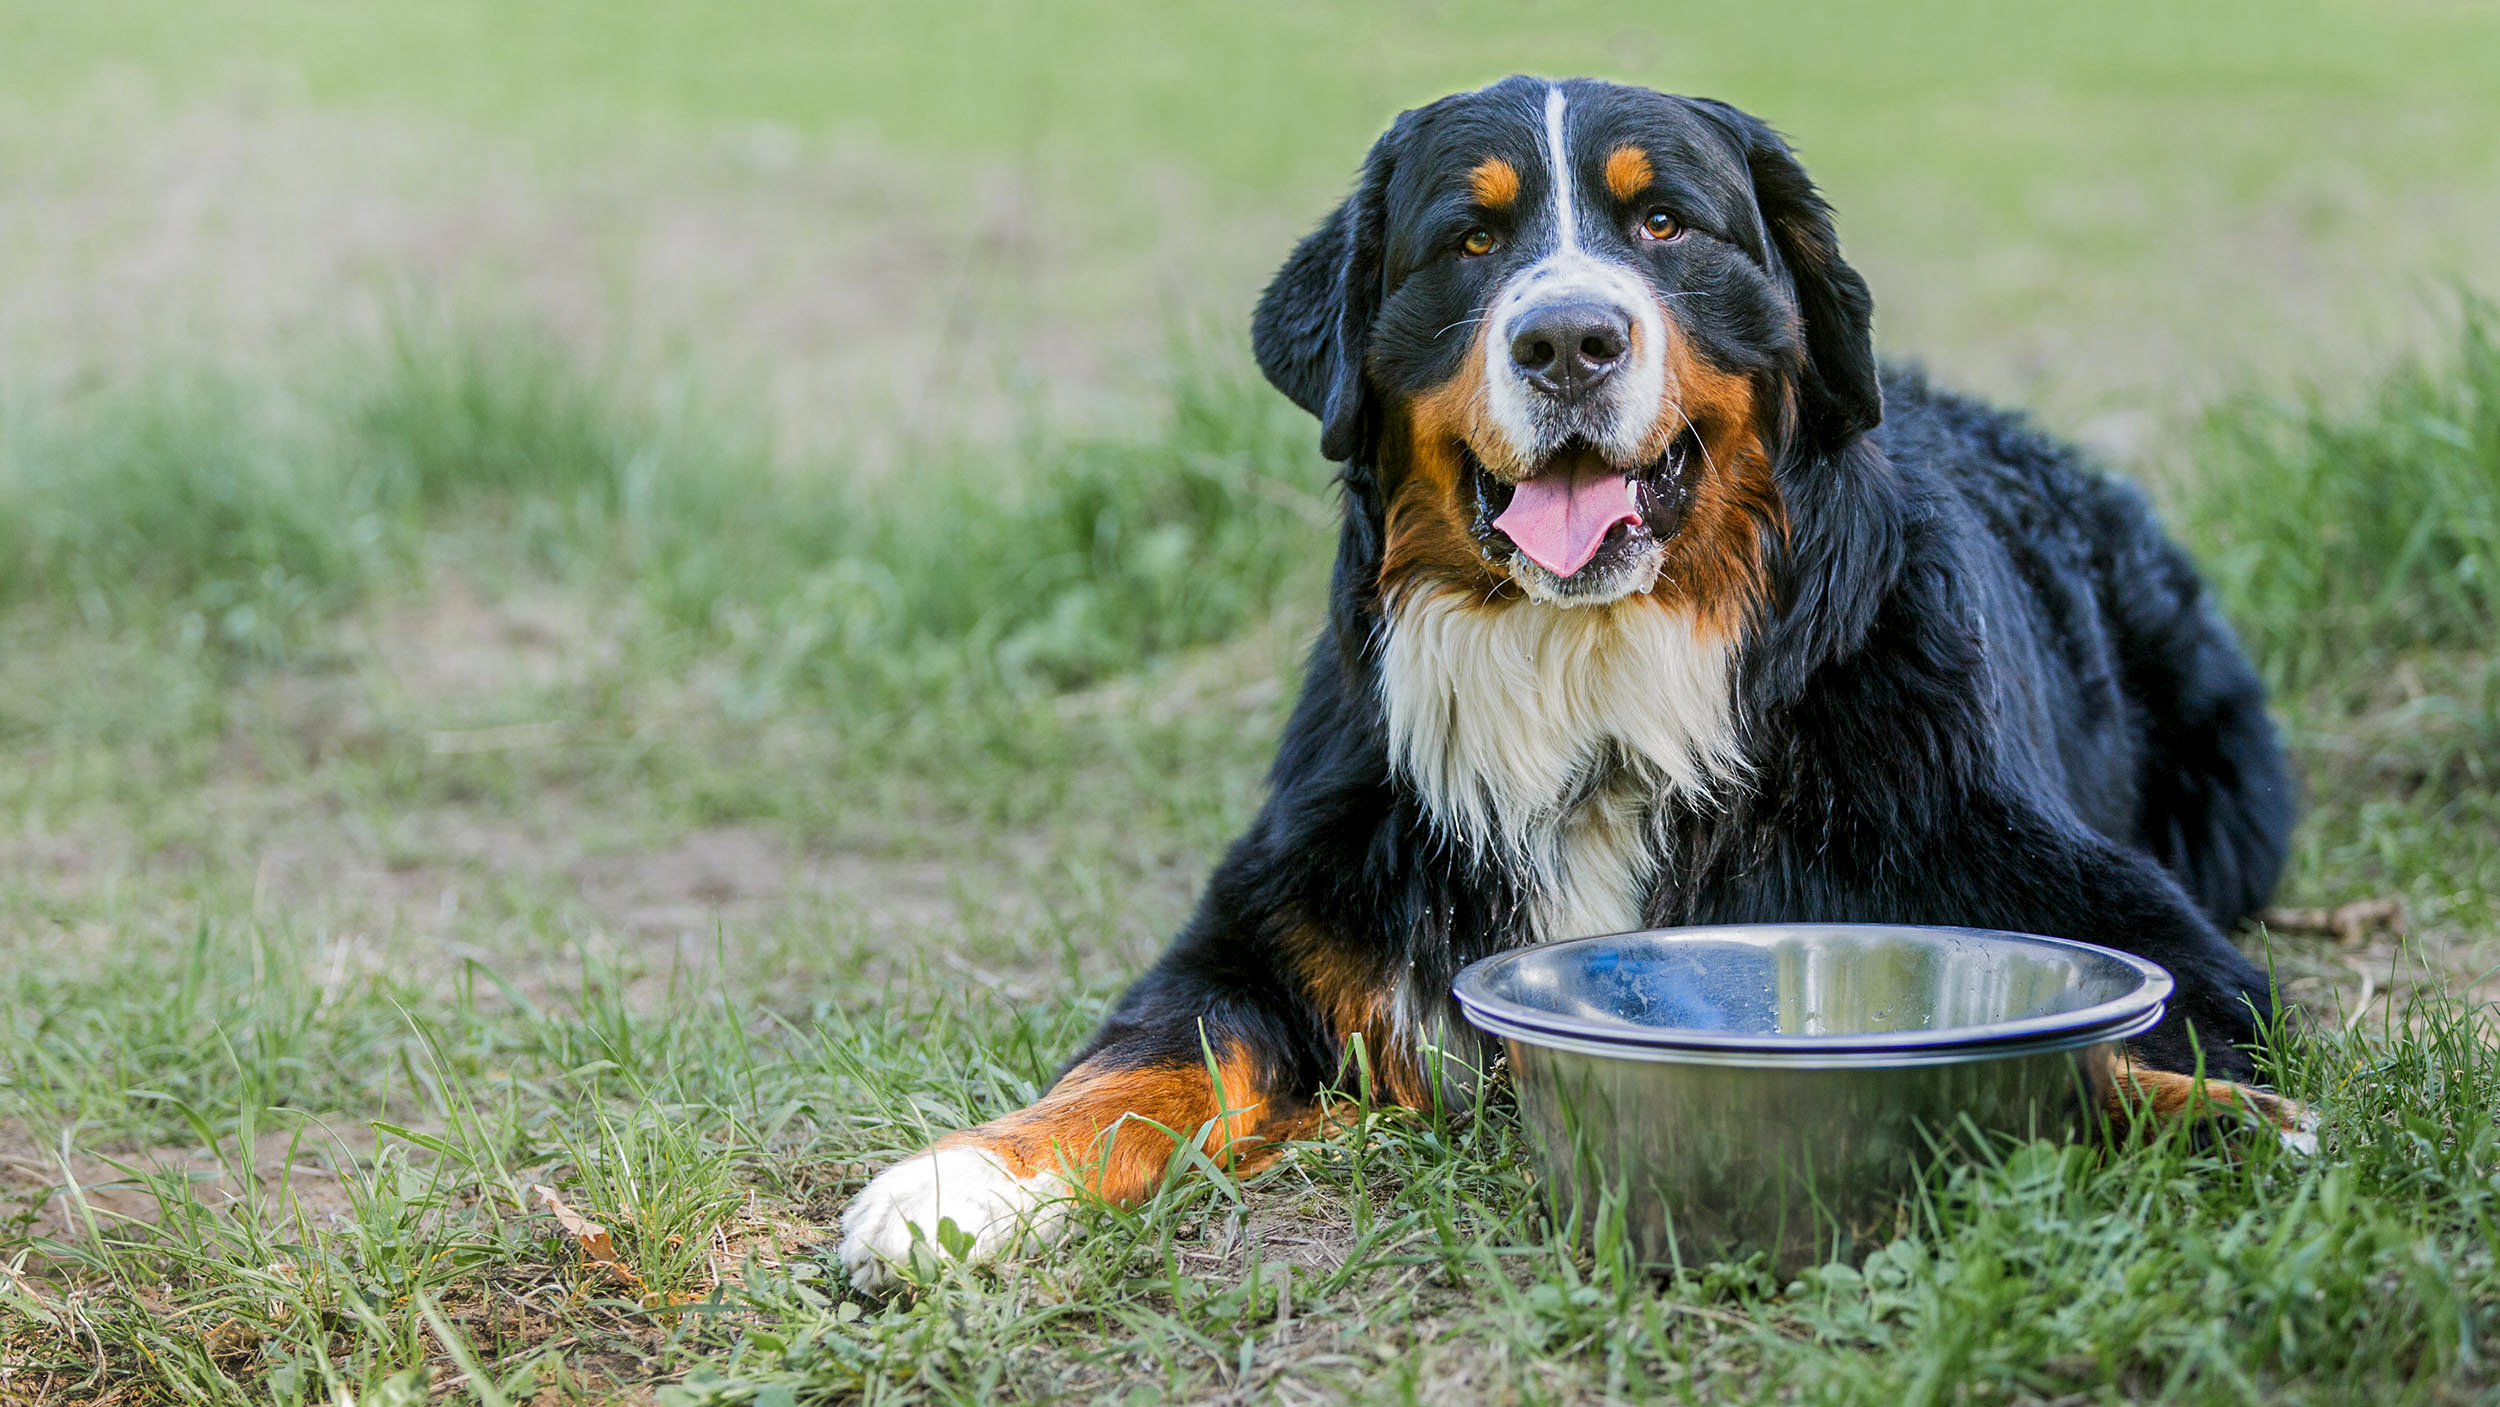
x=1779, y=1088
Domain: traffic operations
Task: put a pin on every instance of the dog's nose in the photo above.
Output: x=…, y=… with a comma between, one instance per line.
x=1564, y=349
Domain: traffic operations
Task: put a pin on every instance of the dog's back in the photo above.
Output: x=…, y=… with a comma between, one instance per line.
x=2131, y=696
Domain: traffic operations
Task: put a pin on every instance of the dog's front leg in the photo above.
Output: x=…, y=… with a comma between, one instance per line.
x=1180, y=1059
x=2062, y=880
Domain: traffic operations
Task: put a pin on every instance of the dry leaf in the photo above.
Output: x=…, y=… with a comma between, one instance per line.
x=598, y=1251
x=581, y=1228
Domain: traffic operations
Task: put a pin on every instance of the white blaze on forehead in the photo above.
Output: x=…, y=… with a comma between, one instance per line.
x=1621, y=418
x=1558, y=161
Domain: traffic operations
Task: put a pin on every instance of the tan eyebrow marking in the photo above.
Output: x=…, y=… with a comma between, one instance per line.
x=1628, y=172
x=1495, y=181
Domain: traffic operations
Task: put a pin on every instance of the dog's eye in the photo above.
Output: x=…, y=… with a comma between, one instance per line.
x=1660, y=224
x=1478, y=241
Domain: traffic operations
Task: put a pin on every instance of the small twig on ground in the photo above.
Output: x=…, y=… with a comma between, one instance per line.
x=2350, y=924
x=1729, y=1319
x=2369, y=992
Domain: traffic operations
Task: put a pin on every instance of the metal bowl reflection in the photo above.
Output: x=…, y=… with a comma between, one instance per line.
x=1779, y=1088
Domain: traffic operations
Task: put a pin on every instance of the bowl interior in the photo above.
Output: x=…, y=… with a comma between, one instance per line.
x=1811, y=983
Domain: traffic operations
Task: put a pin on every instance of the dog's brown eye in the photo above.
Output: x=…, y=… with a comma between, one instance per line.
x=1660, y=224
x=1478, y=241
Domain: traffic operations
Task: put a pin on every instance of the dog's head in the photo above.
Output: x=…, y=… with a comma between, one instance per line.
x=1564, y=332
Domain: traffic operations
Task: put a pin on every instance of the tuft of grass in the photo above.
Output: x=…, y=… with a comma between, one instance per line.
x=1100, y=555
x=182, y=495
x=451, y=416
x=2346, y=533
x=662, y=1187
x=233, y=1019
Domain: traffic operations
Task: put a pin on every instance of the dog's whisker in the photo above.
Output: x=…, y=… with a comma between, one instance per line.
x=1695, y=431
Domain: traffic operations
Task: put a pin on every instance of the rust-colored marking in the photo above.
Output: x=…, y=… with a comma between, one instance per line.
x=1495, y=183
x=1628, y=172
x=1098, y=1124
x=1430, y=510
x=2139, y=1095
x=1715, y=563
x=1353, y=992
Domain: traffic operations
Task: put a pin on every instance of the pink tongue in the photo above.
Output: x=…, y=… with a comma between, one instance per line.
x=1560, y=517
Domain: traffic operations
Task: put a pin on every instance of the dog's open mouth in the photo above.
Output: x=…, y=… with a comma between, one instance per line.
x=1578, y=507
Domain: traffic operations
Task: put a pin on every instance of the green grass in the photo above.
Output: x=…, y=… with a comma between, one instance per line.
x=2350, y=536
x=2351, y=532
x=2366, y=1274
x=243, y=522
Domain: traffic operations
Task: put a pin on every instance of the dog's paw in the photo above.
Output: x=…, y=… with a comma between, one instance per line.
x=2295, y=1123
x=971, y=1187
x=2147, y=1095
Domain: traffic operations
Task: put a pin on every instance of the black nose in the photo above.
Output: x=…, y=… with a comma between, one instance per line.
x=1563, y=349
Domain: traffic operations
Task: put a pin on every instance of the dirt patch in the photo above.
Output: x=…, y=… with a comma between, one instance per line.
x=457, y=646
x=680, y=892
x=2375, y=987
x=294, y=1173
x=657, y=910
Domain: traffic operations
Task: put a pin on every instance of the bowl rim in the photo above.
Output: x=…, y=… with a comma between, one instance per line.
x=2130, y=1014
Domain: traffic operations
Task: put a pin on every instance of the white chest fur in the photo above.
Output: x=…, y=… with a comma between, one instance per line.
x=1545, y=737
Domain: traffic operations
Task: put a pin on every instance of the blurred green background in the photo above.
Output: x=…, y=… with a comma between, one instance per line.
x=2105, y=210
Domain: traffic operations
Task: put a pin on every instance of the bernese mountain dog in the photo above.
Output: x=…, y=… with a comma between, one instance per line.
x=1656, y=602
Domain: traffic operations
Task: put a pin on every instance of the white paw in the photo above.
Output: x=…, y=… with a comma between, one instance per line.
x=2301, y=1135
x=971, y=1187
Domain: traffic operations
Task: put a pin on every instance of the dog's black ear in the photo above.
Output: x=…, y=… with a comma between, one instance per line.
x=1314, y=323
x=1842, y=394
